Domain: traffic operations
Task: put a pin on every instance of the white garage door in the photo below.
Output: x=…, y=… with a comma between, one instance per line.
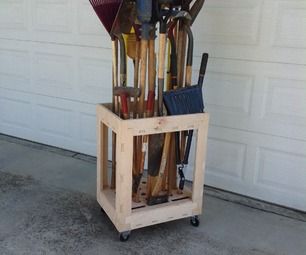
x=55, y=66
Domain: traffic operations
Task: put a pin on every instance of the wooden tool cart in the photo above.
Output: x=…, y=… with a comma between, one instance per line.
x=117, y=203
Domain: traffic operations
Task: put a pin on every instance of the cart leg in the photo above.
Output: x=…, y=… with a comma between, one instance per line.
x=194, y=221
x=124, y=236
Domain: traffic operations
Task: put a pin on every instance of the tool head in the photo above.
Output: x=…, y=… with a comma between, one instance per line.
x=186, y=100
x=128, y=91
x=181, y=15
x=106, y=11
x=125, y=18
x=144, y=10
x=155, y=200
x=195, y=9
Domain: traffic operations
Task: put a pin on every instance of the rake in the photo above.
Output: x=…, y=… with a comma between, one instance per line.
x=106, y=11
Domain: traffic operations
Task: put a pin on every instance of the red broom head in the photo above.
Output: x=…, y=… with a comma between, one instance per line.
x=106, y=10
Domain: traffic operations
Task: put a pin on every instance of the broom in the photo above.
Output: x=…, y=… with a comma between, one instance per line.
x=186, y=100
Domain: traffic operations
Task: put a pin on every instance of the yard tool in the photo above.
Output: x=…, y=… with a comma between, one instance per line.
x=186, y=101
x=181, y=15
x=133, y=51
x=144, y=15
x=181, y=45
x=194, y=11
x=181, y=40
x=172, y=84
x=156, y=197
x=122, y=25
x=107, y=10
x=156, y=142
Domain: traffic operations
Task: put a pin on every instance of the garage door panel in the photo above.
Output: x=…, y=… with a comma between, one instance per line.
x=54, y=74
x=16, y=111
x=285, y=101
x=289, y=16
x=94, y=79
x=236, y=92
x=14, y=69
x=280, y=170
x=253, y=30
x=226, y=158
x=14, y=17
x=274, y=165
x=52, y=16
x=55, y=121
x=222, y=22
x=258, y=97
x=63, y=123
x=60, y=71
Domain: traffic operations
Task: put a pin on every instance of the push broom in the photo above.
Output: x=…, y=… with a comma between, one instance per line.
x=188, y=100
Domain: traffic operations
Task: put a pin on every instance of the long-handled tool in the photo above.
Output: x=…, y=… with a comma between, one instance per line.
x=122, y=24
x=144, y=14
x=107, y=10
x=186, y=101
x=156, y=142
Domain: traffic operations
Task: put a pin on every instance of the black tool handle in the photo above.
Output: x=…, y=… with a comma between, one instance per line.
x=188, y=146
x=177, y=148
x=203, y=69
x=173, y=59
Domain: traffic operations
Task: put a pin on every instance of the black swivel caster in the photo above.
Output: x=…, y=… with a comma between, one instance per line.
x=102, y=211
x=194, y=221
x=124, y=236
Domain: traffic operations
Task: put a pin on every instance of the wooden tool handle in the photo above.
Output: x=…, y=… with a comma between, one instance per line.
x=161, y=70
x=151, y=79
x=136, y=75
x=115, y=106
x=158, y=184
x=143, y=73
x=124, y=106
x=144, y=150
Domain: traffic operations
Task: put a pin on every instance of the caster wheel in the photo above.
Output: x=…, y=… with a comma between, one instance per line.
x=194, y=221
x=124, y=236
x=102, y=211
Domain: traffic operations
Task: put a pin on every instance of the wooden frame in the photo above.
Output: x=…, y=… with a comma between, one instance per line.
x=118, y=204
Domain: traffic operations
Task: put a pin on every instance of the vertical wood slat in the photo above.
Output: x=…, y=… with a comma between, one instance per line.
x=200, y=158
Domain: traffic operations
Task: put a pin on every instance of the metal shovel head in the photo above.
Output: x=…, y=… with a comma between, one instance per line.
x=125, y=18
x=106, y=11
x=156, y=143
x=186, y=100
